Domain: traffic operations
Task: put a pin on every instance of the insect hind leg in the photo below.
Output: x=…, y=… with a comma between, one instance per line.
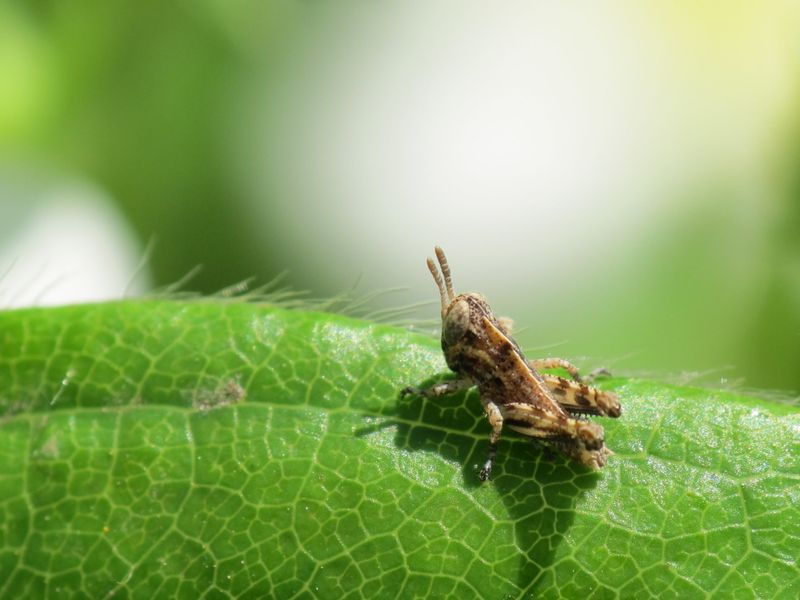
x=581, y=399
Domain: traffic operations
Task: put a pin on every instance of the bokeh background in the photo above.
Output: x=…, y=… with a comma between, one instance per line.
x=623, y=178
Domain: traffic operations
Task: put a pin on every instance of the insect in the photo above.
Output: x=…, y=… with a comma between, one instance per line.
x=479, y=348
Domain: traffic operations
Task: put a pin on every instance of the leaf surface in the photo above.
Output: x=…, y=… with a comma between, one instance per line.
x=207, y=449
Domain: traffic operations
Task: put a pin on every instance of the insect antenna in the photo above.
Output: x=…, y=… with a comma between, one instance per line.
x=445, y=271
x=439, y=283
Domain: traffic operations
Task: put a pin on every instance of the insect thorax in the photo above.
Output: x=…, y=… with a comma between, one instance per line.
x=467, y=344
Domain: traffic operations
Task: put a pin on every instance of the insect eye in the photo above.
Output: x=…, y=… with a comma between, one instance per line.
x=456, y=323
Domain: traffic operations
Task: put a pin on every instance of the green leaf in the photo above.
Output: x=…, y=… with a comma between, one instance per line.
x=207, y=449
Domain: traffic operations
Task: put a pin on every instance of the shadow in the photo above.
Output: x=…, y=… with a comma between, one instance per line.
x=538, y=487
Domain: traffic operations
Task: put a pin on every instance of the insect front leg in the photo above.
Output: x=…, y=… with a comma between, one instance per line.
x=496, y=421
x=442, y=388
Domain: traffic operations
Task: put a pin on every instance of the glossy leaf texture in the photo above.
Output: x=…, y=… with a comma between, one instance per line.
x=207, y=449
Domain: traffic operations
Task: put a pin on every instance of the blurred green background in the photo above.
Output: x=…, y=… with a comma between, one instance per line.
x=622, y=179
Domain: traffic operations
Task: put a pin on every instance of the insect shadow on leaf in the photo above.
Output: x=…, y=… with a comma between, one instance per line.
x=539, y=488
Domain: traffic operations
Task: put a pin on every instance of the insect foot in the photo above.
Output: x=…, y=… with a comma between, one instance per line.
x=478, y=347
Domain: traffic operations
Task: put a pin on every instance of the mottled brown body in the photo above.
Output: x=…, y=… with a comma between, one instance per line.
x=478, y=346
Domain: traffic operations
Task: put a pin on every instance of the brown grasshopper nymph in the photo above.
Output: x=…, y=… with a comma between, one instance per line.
x=479, y=348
